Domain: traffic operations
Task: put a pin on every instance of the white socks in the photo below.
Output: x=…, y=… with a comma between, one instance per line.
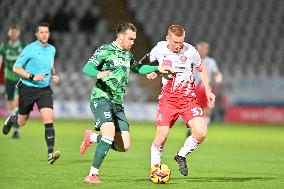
x=94, y=171
x=93, y=137
x=190, y=144
x=156, y=154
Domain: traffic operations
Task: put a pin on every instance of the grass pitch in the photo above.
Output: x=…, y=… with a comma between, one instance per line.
x=233, y=156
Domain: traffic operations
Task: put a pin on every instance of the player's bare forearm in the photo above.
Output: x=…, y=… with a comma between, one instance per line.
x=55, y=78
x=204, y=77
x=21, y=72
x=205, y=81
x=53, y=72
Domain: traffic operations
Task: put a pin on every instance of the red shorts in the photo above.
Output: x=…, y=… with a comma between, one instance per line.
x=201, y=95
x=169, y=111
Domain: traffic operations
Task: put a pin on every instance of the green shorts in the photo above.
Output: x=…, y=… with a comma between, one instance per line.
x=11, y=90
x=106, y=111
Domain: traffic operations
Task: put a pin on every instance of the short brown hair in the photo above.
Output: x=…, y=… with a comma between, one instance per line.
x=177, y=30
x=41, y=24
x=123, y=27
x=14, y=26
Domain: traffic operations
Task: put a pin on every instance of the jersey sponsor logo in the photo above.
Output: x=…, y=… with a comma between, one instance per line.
x=117, y=62
x=107, y=115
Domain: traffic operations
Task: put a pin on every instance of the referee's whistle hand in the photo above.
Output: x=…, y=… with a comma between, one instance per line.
x=55, y=79
x=39, y=77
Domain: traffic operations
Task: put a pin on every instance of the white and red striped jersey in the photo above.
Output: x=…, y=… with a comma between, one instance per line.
x=182, y=82
x=211, y=67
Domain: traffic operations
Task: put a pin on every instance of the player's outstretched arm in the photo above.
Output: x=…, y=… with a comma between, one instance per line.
x=165, y=69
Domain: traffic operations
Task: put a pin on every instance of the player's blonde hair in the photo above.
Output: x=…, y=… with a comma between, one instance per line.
x=177, y=30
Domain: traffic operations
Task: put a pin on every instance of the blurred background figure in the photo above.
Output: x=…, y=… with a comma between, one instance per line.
x=9, y=52
x=215, y=79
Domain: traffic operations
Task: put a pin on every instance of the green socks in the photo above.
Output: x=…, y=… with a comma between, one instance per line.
x=102, y=149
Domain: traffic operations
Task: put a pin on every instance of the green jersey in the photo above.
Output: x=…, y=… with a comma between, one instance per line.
x=119, y=62
x=10, y=55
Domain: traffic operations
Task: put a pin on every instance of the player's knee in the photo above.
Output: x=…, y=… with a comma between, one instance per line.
x=126, y=147
x=200, y=136
x=123, y=148
x=47, y=120
x=160, y=140
x=21, y=122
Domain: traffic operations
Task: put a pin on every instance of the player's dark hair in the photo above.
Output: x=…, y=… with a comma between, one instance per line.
x=41, y=24
x=123, y=27
x=14, y=26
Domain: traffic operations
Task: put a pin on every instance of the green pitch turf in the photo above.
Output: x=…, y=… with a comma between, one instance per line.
x=233, y=156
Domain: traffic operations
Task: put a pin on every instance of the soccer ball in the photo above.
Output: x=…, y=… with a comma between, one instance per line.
x=160, y=174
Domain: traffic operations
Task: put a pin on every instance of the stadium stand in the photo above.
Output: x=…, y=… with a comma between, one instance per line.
x=73, y=35
x=246, y=36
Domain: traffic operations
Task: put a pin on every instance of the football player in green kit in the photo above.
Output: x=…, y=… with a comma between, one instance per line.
x=9, y=52
x=111, y=64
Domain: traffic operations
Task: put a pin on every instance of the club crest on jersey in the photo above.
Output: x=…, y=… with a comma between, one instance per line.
x=167, y=62
x=183, y=58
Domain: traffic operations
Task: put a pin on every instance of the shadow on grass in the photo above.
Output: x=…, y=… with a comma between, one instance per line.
x=64, y=162
x=203, y=179
x=224, y=179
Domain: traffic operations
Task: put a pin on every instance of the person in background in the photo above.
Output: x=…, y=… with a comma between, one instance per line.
x=9, y=52
x=215, y=79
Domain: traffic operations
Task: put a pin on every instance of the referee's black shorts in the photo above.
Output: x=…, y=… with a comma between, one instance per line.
x=28, y=96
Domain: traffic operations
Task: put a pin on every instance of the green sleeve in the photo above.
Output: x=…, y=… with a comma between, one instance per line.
x=90, y=69
x=145, y=69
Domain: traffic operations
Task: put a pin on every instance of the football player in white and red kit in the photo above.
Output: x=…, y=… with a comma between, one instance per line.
x=177, y=96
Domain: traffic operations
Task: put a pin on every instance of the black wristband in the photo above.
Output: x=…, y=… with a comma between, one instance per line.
x=31, y=77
